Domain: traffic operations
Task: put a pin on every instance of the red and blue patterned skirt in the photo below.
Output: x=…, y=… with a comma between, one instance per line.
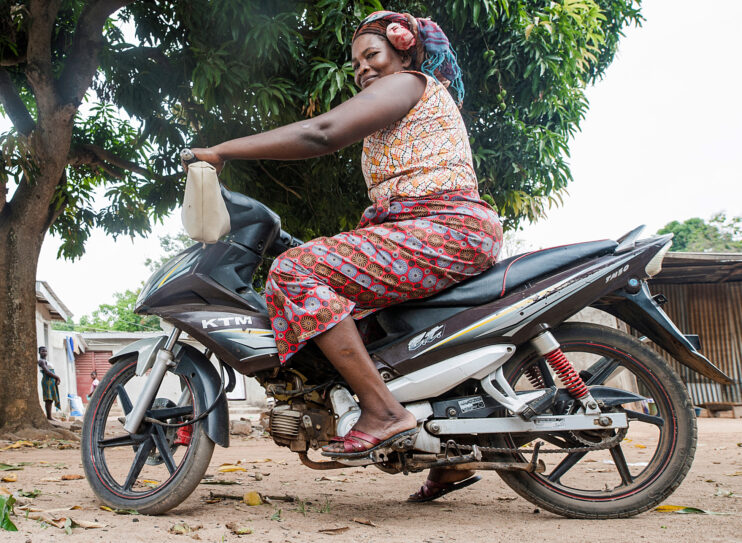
x=402, y=249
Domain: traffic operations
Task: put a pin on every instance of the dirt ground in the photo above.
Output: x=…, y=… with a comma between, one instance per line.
x=487, y=511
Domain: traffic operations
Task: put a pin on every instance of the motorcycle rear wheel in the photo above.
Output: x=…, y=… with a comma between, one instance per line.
x=572, y=488
x=147, y=472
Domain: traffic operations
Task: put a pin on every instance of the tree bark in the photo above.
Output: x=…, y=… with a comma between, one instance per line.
x=21, y=415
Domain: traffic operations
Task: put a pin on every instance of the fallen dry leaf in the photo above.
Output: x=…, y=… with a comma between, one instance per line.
x=226, y=468
x=4, y=491
x=333, y=531
x=182, y=528
x=10, y=478
x=735, y=474
x=252, y=498
x=364, y=521
x=258, y=461
x=88, y=525
x=681, y=509
x=506, y=498
x=333, y=479
x=72, y=477
x=18, y=445
x=238, y=529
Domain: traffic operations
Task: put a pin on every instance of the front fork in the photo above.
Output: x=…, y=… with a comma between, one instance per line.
x=163, y=362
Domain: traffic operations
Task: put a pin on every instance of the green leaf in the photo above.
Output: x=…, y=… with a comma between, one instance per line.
x=6, y=509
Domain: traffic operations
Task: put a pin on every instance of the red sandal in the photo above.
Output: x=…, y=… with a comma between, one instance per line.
x=432, y=490
x=354, y=446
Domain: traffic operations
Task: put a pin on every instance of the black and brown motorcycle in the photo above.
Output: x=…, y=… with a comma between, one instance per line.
x=496, y=376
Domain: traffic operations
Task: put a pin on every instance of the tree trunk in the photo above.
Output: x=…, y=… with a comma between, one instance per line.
x=24, y=222
x=20, y=409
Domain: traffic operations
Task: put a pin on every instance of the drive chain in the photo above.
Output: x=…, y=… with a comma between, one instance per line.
x=605, y=444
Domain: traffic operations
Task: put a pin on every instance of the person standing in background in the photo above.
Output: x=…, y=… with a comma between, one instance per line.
x=49, y=383
x=94, y=384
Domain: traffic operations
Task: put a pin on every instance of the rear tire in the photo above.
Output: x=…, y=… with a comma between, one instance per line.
x=101, y=470
x=638, y=491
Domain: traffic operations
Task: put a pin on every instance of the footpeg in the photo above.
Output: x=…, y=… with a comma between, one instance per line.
x=539, y=405
x=404, y=444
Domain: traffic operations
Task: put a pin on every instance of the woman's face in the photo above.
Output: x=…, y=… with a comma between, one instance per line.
x=374, y=57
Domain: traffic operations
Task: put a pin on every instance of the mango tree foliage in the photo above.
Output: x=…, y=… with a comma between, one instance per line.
x=102, y=94
x=720, y=234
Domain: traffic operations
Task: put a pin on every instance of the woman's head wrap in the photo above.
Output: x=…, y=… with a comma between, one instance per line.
x=423, y=40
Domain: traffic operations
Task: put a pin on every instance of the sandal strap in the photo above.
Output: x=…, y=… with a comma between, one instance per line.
x=353, y=441
x=356, y=434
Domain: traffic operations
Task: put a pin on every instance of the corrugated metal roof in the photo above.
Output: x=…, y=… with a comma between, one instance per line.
x=683, y=268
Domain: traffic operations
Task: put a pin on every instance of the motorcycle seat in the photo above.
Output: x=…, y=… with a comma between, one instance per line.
x=509, y=274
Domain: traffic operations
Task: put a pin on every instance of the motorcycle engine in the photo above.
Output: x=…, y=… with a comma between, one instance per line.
x=300, y=426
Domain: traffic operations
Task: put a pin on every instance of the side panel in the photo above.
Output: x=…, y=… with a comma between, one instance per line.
x=241, y=338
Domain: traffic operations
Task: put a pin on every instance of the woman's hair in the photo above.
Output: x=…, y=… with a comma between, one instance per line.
x=421, y=39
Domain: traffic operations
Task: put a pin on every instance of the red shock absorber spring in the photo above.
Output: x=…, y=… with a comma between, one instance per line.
x=533, y=374
x=567, y=374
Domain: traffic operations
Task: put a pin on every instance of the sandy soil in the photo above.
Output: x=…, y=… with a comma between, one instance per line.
x=487, y=511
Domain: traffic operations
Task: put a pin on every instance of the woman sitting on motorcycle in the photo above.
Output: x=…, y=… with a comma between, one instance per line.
x=426, y=229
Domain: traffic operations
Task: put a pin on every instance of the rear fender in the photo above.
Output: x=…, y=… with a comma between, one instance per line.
x=641, y=312
x=193, y=364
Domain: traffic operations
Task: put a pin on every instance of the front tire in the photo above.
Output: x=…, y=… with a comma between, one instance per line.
x=572, y=488
x=147, y=472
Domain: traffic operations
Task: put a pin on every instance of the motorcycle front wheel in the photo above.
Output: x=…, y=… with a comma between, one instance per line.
x=157, y=468
x=642, y=467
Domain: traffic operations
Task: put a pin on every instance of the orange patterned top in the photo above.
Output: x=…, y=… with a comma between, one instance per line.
x=426, y=152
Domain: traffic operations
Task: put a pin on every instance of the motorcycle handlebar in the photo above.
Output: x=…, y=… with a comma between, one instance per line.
x=187, y=156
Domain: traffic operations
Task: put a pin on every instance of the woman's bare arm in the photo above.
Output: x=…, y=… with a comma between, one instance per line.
x=386, y=101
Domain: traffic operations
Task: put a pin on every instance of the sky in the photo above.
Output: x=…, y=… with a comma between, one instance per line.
x=661, y=141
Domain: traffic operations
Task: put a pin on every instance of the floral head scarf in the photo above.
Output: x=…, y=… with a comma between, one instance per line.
x=423, y=40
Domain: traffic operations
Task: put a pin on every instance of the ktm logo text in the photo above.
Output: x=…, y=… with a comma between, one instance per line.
x=225, y=321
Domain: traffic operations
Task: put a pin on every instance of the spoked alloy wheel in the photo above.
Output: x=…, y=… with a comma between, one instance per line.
x=149, y=471
x=642, y=467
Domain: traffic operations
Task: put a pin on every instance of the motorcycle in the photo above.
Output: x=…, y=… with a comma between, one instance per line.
x=496, y=375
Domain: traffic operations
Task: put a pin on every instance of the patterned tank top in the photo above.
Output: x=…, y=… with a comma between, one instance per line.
x=426, y=152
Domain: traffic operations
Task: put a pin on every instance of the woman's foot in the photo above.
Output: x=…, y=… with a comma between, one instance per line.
x=373, y=430
x=441, y=482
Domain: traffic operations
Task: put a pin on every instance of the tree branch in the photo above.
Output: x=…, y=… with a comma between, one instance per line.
x=13, y=61
x=94, y=155
x=82, y=59
x=42, y=14
x=278, y=182
x=14, y=106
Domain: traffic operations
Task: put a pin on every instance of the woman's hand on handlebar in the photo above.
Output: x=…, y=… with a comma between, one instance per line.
x=207, y=154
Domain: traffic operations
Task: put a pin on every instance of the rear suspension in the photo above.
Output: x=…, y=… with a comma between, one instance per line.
x=548, y=347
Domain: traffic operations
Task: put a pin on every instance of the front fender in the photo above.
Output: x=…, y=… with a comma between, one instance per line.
x=641, y=312
x=146, y=351
x=202, y=373
x=193, y=364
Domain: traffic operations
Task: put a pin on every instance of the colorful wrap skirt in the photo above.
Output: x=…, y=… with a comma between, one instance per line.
x=402, y=249
x=50, y=390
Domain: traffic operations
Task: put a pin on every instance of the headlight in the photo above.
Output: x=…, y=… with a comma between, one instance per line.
x=654, y=266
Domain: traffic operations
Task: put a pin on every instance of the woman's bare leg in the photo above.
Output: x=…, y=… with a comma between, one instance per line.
x=382, y=415
x=48, y=405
